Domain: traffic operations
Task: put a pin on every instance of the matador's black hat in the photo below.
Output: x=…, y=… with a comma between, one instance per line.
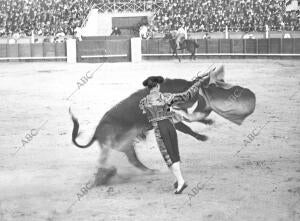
x=153, y=79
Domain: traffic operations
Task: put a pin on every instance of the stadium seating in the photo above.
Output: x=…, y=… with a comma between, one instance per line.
x=52, y=17
x=215, y=15
x=44, y=17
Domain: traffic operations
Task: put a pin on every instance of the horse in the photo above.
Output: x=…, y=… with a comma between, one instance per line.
x=189, y=44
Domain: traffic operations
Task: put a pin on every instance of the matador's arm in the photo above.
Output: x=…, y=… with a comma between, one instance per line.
x=184, y=96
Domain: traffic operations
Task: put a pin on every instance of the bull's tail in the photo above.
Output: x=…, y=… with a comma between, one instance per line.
x=75, y=132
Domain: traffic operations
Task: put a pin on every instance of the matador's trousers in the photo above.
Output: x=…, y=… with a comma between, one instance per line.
x=166, y=137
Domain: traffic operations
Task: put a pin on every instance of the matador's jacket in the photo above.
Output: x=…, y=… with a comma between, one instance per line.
x=156, y=106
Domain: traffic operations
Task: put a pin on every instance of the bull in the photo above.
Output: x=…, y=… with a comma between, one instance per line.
x=124, y=122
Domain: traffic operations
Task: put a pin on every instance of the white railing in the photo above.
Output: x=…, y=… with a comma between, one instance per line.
x=129, y=6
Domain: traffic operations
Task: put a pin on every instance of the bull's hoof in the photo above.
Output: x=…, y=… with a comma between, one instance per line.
x=201, y=137
x=104, y=174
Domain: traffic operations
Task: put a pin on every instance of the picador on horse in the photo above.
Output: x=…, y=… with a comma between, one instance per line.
x=180, y=36
x=178, y=40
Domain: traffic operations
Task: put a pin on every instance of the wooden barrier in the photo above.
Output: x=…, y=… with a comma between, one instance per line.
x=150, y=47
x=275, y=46
x=37, y=51
x=49, y=49
x=164, y=47
x=155, y=48
x=262, y=46
x=237, y=46
x=60, y=49
x=24, y=50
x=212, y=46
x=225, y=46
x=297, y=45
x=202, y=46
x=229, y=47
x=3, y=50
x=112, y=50
x=250, y=46
x=12, y=50
x=144, y=46
x=120, y=50
x=287, y=46
x=91, y=48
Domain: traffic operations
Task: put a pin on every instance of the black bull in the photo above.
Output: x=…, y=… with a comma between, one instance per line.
x=124, y=122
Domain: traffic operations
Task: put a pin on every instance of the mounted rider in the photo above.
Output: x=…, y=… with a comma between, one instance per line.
x=181, y=35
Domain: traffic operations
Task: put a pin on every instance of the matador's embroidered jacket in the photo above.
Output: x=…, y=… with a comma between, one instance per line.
x=157, y=105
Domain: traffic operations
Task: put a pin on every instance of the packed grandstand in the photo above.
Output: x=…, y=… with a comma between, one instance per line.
x=44, y=17
x=237, y=15
x=52, y=17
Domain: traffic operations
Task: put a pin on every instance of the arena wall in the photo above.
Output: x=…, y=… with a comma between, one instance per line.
x=231, y=47
x=119, y=49
x=99, y=50
x=239, y=35
x=37, y=51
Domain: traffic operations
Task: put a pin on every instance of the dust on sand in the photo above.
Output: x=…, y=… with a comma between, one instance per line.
x=43, y=180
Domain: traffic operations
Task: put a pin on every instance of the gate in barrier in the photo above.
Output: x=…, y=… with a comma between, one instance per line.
x=100, y=50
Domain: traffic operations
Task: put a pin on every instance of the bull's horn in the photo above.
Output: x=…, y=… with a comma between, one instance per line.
x=204, y=73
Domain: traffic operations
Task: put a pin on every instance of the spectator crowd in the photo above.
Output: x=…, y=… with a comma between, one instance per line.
x=215, y=15
x=43, y=17
x=62, y=17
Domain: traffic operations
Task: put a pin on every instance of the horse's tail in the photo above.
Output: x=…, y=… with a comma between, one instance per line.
x=75, y=132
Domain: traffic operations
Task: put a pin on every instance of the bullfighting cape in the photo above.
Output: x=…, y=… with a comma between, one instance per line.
x=232, y=102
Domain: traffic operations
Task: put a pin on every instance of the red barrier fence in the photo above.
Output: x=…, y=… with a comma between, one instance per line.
x=42, y=51
x=238, y=47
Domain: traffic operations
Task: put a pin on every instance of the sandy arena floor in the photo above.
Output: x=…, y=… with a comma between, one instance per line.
x=232, y=178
